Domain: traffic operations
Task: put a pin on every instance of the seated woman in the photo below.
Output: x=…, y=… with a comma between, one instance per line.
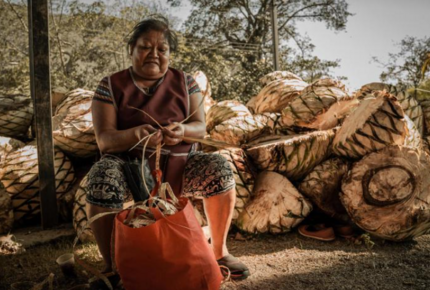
x=169, y=96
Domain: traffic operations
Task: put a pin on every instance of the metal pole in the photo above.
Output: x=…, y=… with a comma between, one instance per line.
x=275, y=40
x=40, y=84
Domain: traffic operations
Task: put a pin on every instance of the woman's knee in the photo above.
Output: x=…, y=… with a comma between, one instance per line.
x=106, y=184
x=208, y=175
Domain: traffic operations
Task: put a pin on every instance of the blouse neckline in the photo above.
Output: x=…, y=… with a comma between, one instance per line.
x=149, y=91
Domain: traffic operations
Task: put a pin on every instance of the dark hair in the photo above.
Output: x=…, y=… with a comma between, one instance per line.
x=160, y=24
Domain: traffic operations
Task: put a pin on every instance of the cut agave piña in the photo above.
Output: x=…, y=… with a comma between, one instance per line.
x=323, y=185
x=387, y=193
x=278, y=94
x=8, y=145
x=413, y=138
x=274, y=123
x=377, y=122
x=276, y=76
x=244, y=176
x=205, y=87
x=239, y=130
x=73, y=124
x=16, y=114
x=293, y=156
x=276, y=206
x=80, y=218
x=407, y=100
x=321, y=105
x=425, y=104
x=251, y=104
x=412, y=109
x=426, y=144
x=223, y=111
x=19, y=176
x=6, y=211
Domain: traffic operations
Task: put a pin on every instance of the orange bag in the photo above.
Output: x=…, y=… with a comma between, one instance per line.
x=171, y=254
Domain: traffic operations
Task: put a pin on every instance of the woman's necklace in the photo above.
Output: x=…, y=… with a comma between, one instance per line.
x=149, y=91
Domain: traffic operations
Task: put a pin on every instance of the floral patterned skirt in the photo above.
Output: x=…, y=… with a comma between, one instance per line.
x=205, y=175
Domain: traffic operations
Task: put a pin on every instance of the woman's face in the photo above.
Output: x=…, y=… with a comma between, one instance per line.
x=150, y=55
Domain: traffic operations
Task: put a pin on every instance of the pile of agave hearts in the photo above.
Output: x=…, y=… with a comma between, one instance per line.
x=358, y=157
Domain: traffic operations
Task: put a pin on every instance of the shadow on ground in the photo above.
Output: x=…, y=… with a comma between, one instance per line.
x=292, y=262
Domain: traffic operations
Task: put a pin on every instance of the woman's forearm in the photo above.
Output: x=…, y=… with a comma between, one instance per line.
x=116, y=141
x=195, y=129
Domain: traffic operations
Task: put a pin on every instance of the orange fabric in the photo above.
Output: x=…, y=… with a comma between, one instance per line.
x=170, y=254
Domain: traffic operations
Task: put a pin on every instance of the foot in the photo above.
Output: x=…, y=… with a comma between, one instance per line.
x=238, y=270
x=344, y=231
x=317, y=232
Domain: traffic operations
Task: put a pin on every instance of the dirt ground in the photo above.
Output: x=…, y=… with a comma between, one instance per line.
x=293, y=262
x=276, y=262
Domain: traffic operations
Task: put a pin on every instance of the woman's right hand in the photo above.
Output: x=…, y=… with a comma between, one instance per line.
x=145, y=130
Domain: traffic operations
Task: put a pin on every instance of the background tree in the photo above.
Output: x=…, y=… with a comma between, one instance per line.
x=87, y=41
x=14, y=68
x=406, y=66
x=229, y=40
x=240, y=32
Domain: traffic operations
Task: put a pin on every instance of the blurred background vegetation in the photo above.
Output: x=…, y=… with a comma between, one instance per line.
x=230, y=41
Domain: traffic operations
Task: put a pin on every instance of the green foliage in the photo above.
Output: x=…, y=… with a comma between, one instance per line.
x=87, y=41
x=239, y=33
x=366, y=240
x=14, y=68
x=228, y=40
x=422, y=93
x=227, y=77
x=406, y=66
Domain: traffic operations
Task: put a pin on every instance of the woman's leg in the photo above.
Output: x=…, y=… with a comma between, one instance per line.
x=211, y=176
x=219, y=212
x=106, y=189
x=102, y=229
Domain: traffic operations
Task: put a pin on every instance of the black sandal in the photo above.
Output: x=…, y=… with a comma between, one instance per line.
x=238, y=270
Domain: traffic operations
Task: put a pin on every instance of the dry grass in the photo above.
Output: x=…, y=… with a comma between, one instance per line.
x=36, y=263
x=276, y=262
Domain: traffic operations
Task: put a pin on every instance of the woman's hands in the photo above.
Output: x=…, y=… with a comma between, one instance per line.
x=170, y=135
x=145, y=130
x=173, y=134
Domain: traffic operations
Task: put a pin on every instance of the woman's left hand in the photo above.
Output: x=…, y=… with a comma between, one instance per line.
x=173, y=134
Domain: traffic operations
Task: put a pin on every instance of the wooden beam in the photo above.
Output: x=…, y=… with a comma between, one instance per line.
x=40, y=83
x=275, y=38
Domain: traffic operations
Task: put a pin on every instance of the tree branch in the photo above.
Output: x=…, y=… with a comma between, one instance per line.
x=308, y=16
x=297, y=42
x=302, y=9
x=16, y=48
x=57, y=35
x=63, y=3
x=18, y=15
x=246, y=5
